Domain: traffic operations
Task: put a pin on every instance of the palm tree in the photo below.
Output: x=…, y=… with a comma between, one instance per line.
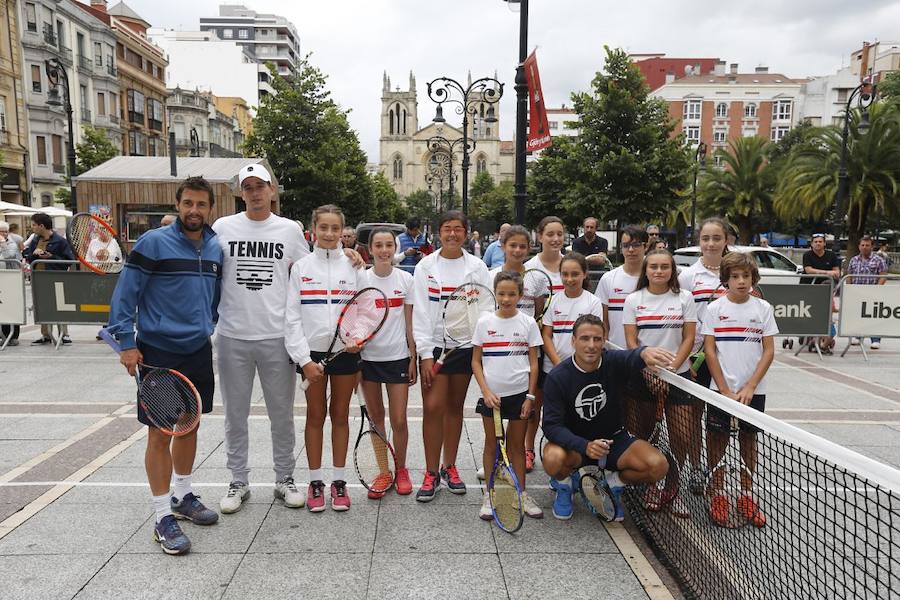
x=809, y=180
x=743, y=189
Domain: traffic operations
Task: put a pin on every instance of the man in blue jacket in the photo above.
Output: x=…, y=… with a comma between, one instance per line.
x=163, y=312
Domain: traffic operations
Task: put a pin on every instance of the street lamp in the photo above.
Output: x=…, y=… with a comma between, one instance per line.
x=486, y=90
x=865, y=96
x=55, y=73
x=520, y=196
x=195, y=142
x=700, y=158
x=441, y=161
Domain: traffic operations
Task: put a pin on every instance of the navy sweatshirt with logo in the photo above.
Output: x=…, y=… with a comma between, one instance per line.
x=580, y=407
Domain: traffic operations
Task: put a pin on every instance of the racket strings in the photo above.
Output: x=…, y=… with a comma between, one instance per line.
x=363, y=316
x=505, y=499
x=169, y=403
x=374, y=462
x=80, y=227
x=464, y=307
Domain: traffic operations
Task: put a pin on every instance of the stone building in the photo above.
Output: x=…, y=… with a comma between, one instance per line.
x=13, y=121
x=218, y=134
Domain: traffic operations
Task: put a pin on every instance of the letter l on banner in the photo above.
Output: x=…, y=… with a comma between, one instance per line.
x=538, y=128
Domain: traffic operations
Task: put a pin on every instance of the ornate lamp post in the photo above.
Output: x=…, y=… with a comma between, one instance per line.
x=55, y=74
x=865, y=96
x=700, y=158
x=467, y=99
x=442, y=151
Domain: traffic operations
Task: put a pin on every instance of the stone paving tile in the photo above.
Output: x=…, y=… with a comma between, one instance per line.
x=542, y=576
x=442, y=528
x=300, y=531
x=424, y=575
x=321, y=576
x=48, y=577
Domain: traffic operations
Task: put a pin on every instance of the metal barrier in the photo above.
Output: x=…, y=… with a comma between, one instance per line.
x=62, y=297
x=12, y=297
x=868, y=310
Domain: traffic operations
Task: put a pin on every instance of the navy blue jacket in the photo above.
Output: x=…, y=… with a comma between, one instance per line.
x=57, y=245
x=580, y=407
x=171, y=289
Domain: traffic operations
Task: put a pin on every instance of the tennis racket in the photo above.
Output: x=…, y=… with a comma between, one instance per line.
x=538, y=292
x=168, y=398
x=373, y=456
x=95, y=244
x=462, y=310
x=658, y=495
x=728, y=505
x=360, y=319
x=595, y=491
x=503, y=486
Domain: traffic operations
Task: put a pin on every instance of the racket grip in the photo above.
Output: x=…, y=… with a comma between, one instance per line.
x=304, y=385
x=437, y=367
x=107, y=337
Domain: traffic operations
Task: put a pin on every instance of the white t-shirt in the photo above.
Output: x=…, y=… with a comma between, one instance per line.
x=612, y=290
x=739, y=330
x=95, y=252
x=555, y=278
x=258, y=257
x=504, y=348
x=660, y=318
x=534, y=286
x=704, y=286
x=561, y=316
x=390, y=342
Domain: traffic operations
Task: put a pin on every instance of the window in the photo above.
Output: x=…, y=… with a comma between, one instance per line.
x=155, y=114
x=153, y=146
x=140, y=222
x=717, y=160
x=30, y=17
x=391, y=122
x=719, y=136
x=748, y=131
x=98, y=54
x=46, y=199
x=779, y=132
x=137, y=143
x=41, y=150
x=227, y=34
x=79, y=43
x=2, y=113
x=692, y=135
x=721, y=110
x=243, y=34
x=842, y=95
x=481, y=165
x=113, y=111
x=692, y=110
x=36, y=78
x=101, y=104
x=136, y=103
x=56, y=144
x=554, y=124
x=781, y=110
x=750, y=111
x=398, y=168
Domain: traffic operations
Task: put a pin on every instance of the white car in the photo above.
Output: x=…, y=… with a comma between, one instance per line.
x=774, y=267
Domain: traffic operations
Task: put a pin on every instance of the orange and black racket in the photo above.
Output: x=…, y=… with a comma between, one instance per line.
x=95, y=244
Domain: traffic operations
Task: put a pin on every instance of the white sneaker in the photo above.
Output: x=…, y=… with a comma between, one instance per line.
x=875, y=345
x=486, y=513
x=232, y=501
x=480, y=474
x=530, y=507
x=288, y=491
x=854, y=341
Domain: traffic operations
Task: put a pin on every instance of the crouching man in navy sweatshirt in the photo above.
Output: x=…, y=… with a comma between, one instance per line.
x=584, y=422
x=170, y=290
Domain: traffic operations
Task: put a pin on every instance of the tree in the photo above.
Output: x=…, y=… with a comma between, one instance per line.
x=495, y=205
x=386, y=206
x=625, y=164
x=809, y=182
x=742, y=190
x=420, y=204
x=482, y=184
x=95, y=149
x=307, y=139
x=889, y=87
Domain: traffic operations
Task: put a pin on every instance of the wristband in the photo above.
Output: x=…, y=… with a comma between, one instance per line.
x=529, y=397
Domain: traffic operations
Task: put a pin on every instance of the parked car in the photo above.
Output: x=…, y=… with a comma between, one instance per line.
x=774, y=267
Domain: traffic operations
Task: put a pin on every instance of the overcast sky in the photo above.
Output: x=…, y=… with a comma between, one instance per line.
x=355, y=41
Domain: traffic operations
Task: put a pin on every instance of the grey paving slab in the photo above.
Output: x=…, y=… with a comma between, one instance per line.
x=47, y=427
x=403, y=575
x=319, y=576
x=53, y=577
x=155, y=576
x=15, y=452
x=854, y=434
x=298, y=530
x=446, y=528
x=76, y=529
x=582, y=534
x=544, y=576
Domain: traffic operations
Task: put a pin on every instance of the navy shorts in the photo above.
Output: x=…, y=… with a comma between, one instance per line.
x=388, y=371
x=719, y=421
x=621, y=441
x=510, y=407
x=458, y=362
x=197, y=366
x=344, y=363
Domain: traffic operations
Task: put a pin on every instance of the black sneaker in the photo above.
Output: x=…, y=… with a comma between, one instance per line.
x=170, y=536
x=191, y=509
x=451, y=477
x=66, y=340
x=42, y=340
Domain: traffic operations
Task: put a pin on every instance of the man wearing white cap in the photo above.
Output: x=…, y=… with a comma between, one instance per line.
x=259, y=249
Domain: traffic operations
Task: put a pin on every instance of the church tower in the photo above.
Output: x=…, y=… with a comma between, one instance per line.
x=399, y=122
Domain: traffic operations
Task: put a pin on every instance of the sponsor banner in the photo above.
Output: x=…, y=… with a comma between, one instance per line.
x=538, y=127
x=870, y=310
x=12, y=296
x=800, y=308
x=72, y=296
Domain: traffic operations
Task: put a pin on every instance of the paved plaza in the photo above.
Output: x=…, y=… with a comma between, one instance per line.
x=76, y=522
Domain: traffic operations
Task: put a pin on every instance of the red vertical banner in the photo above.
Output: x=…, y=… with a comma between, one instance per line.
x=538, y=127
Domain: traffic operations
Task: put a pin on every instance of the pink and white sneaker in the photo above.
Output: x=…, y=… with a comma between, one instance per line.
x=315, y=496
x=340, y=499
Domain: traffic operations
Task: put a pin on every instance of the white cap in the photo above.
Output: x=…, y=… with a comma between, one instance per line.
x=256, y=170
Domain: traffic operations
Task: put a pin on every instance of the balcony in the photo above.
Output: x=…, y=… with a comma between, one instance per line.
x=4, y=137
x=50, y=37
x=85, y=64
x=111, y=70
x=85, y=115
x=113, y=118
x=65, y=55
x=59, y=169
x=154, y=124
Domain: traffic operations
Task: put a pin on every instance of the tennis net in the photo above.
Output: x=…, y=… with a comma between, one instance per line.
x=824, y=522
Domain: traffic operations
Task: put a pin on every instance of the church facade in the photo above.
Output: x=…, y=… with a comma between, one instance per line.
x=410, y=164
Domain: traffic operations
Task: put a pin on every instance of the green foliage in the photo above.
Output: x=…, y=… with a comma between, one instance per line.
x=624, y=165
x=386, y=206
x=495, y=205
x=307, y=139
x=63, y=195
x=420, y=204
x=742, y=191
x=889, y=87
x=95, y=149
x=482, y=184
x=809, y=183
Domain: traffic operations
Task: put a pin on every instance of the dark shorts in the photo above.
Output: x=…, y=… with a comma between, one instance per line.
x=637, y=389
x=622, y=441
x=343, y=364
x=704, y=377
x=198, y=367
x=719, y=421
x=510, y=407
x=388, y=371
x=458, y=362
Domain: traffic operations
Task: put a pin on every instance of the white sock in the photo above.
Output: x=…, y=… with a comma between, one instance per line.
x=612, y=478
x=315, y=475
x=181, y=486
x=566, y=481
x=161, y=506
x=337, y=474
